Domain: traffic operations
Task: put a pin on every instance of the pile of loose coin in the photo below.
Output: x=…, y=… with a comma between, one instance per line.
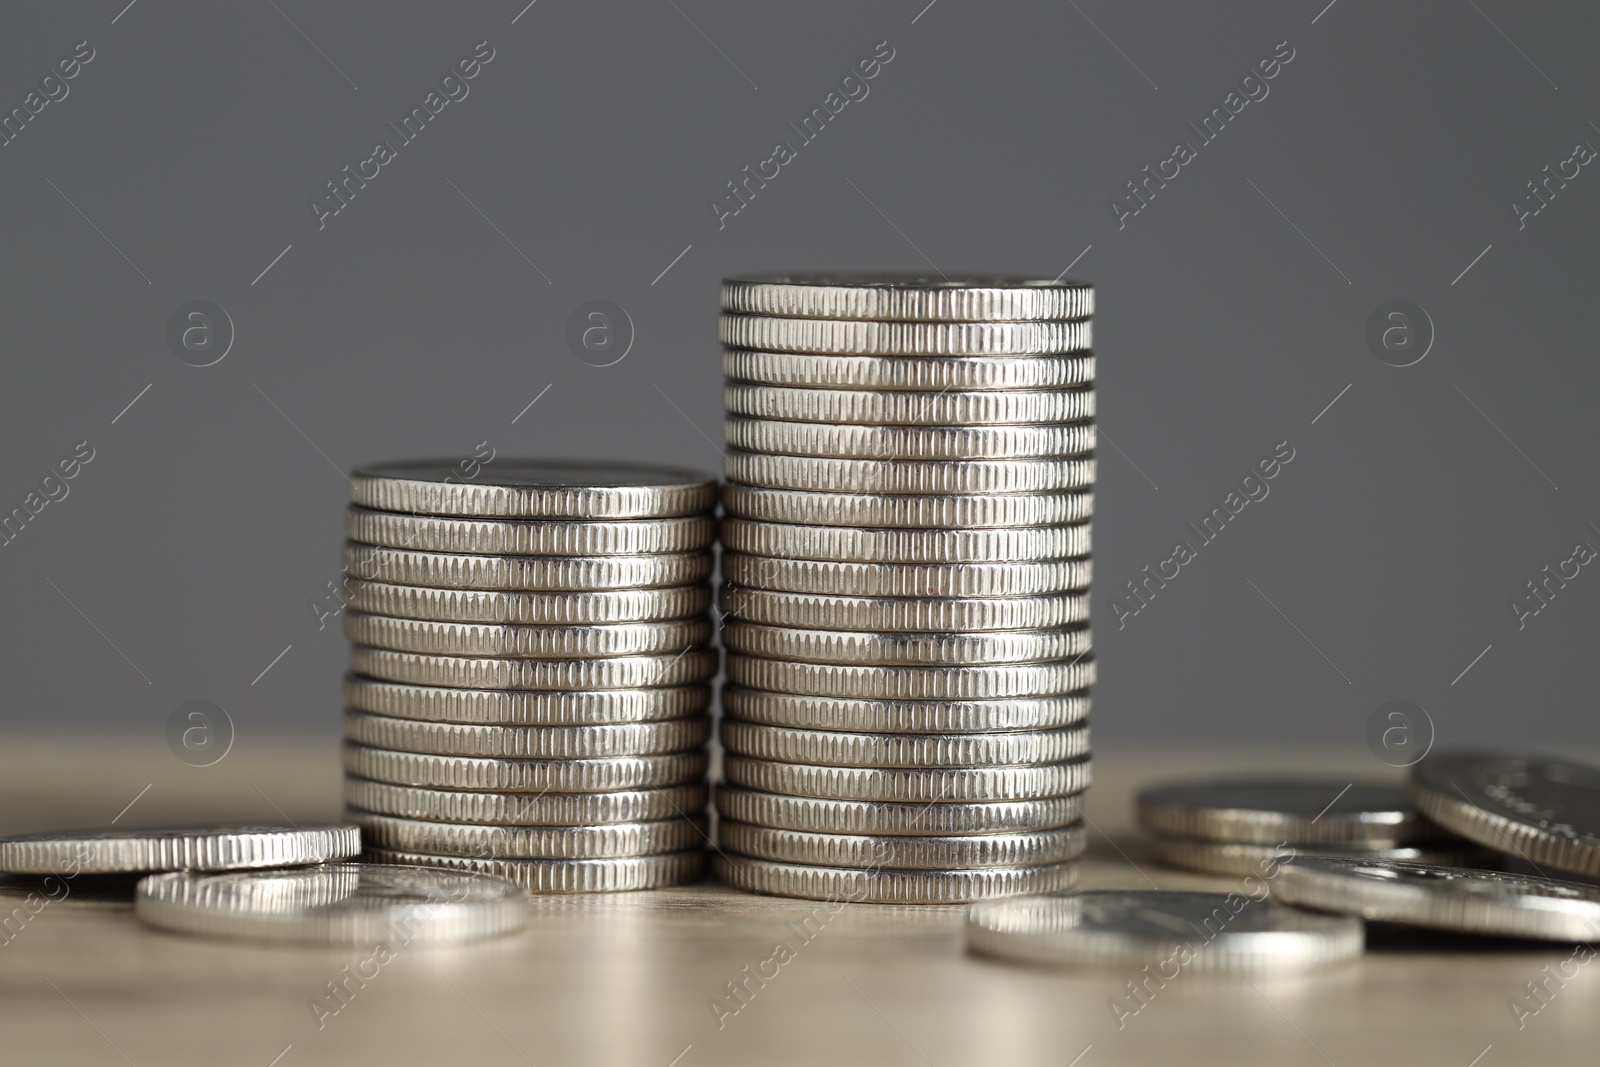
x=529, y=695
x=1321, y=857
x=906, y=567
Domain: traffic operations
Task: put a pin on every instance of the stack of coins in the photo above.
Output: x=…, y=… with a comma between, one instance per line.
x=529, y=694
x=906, y=569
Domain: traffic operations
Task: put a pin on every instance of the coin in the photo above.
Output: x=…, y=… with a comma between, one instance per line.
x=1444, y=898
x=838, y=748
x=335, y=904
x=889, y=886
x=1232, y=857
x=907, y=297
x=1166, y=931
x=904, y=716
x=570, y=876
x=867, y=338
x=533, y=489
x=457, y=672
x=525, y=707
x=531, y=842
x=526, y=642
x=543, y=537
x=526, y=742
x=1297, y=812
x=534, y=573
x=908, y=408
x=906, y=510
x=524, y=776
x=855, y=544
x=815, y=474
x=928, y=785
x=887, y=817
x=908, y=442
x=526, y=609
x=985, y=682
x=521, y=809
x=832, y=577
x=903, y=614
x=922, y=373
x=1547, y=811
x=201, y=848
x=1027, y=848
x=932, y=650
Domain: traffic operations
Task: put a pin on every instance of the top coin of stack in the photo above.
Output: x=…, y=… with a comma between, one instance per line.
x=529, y=691
x=906, y=564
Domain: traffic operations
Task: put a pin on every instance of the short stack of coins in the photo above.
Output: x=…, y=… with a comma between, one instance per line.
x=529, y=692
x=909, y=478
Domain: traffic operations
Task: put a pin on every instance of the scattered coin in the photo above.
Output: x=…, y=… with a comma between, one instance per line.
x=1445, y=898
x=1306, y=812
x=335, y=904
x=1169, y=931
x=912, y=683
x=1232, y=857
x=927, y=477
x=206, y=848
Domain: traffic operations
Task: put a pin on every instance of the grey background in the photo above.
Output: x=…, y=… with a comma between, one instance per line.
x=184, y=557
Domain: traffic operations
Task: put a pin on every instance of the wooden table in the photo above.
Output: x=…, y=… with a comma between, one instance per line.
x=627, y=979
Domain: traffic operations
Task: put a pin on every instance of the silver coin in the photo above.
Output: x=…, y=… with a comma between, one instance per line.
x=458, y=672
x=532, y=842
x=526, y=742
x=523, y=809
x=1546, y=811
x=200, y=848
x=887, y=817
x=533, y=573
x=839, y=748
x=908, y=442
x=816, y=474
x=835, y=578
x=905, y=510
x=887, y=885
x=526, y=642
x=526, y=609
x=1445, y=898
x=907, y=297
x=868, y=338
x=903, y=614
x=533, y=489
x=909, y=785
x=1022, y=849
x=987, y=682
x=524, y=776
x=906, y=408
x=1168, y=932
x=891, y=649
x=856, y=544
x=1327, y=811
x=525, y=707
x=923, y=373
x=383, y=907
x=904, y=716
x=538, y=537
x=1237, y=858
x=570, y=876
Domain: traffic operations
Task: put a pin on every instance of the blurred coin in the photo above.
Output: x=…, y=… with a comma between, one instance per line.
x=1326, y=811
x=527, y=609
x=1218, y=857
x=525, y=707
x=1444, y=898
x=907, y=297
x=458, y=672
x=522, y=809
x=526, y=642
x=533, y=489
x=336, y=904
x=524, y=776
x=200, y=848
x=536, y=573
x=526, y=742
x=838, y=748
x=570, y=876
x=867, y=338
x=907, y=510
x=889, y=886
x=1168, y=931
x=922, y=373
x=541, y=537
x=1546, y=811
x=889, y=817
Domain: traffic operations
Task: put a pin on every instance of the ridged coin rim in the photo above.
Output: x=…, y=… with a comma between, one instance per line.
x=903, y=614
x=984, y=682
x=385, y=487
x=919, y=373
x=510, y=608
x=1028, y=848
x=842, y=441
x=891, y=817
x=524, y=707
x=552, y=877
x=904, y=716
x=529, y=537
x=452, y=570
x=920, y=784
x=202, y=848
x=940, y=580
x=605, y=841
x=852, y=647
x=478, y=774
x=526, y=742
x=526, y=642
x=842, y=748
x=462, y=672
x=907, y=510
x=889, y=886
x=905, y=297
x=523, y=809
x=865, y=337
x=885, y=407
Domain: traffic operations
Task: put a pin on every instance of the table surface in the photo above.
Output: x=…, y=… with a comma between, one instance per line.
x=629, y=978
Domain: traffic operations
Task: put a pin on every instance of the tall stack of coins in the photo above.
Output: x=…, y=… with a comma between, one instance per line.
x=906, y=566
x=528, y=695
